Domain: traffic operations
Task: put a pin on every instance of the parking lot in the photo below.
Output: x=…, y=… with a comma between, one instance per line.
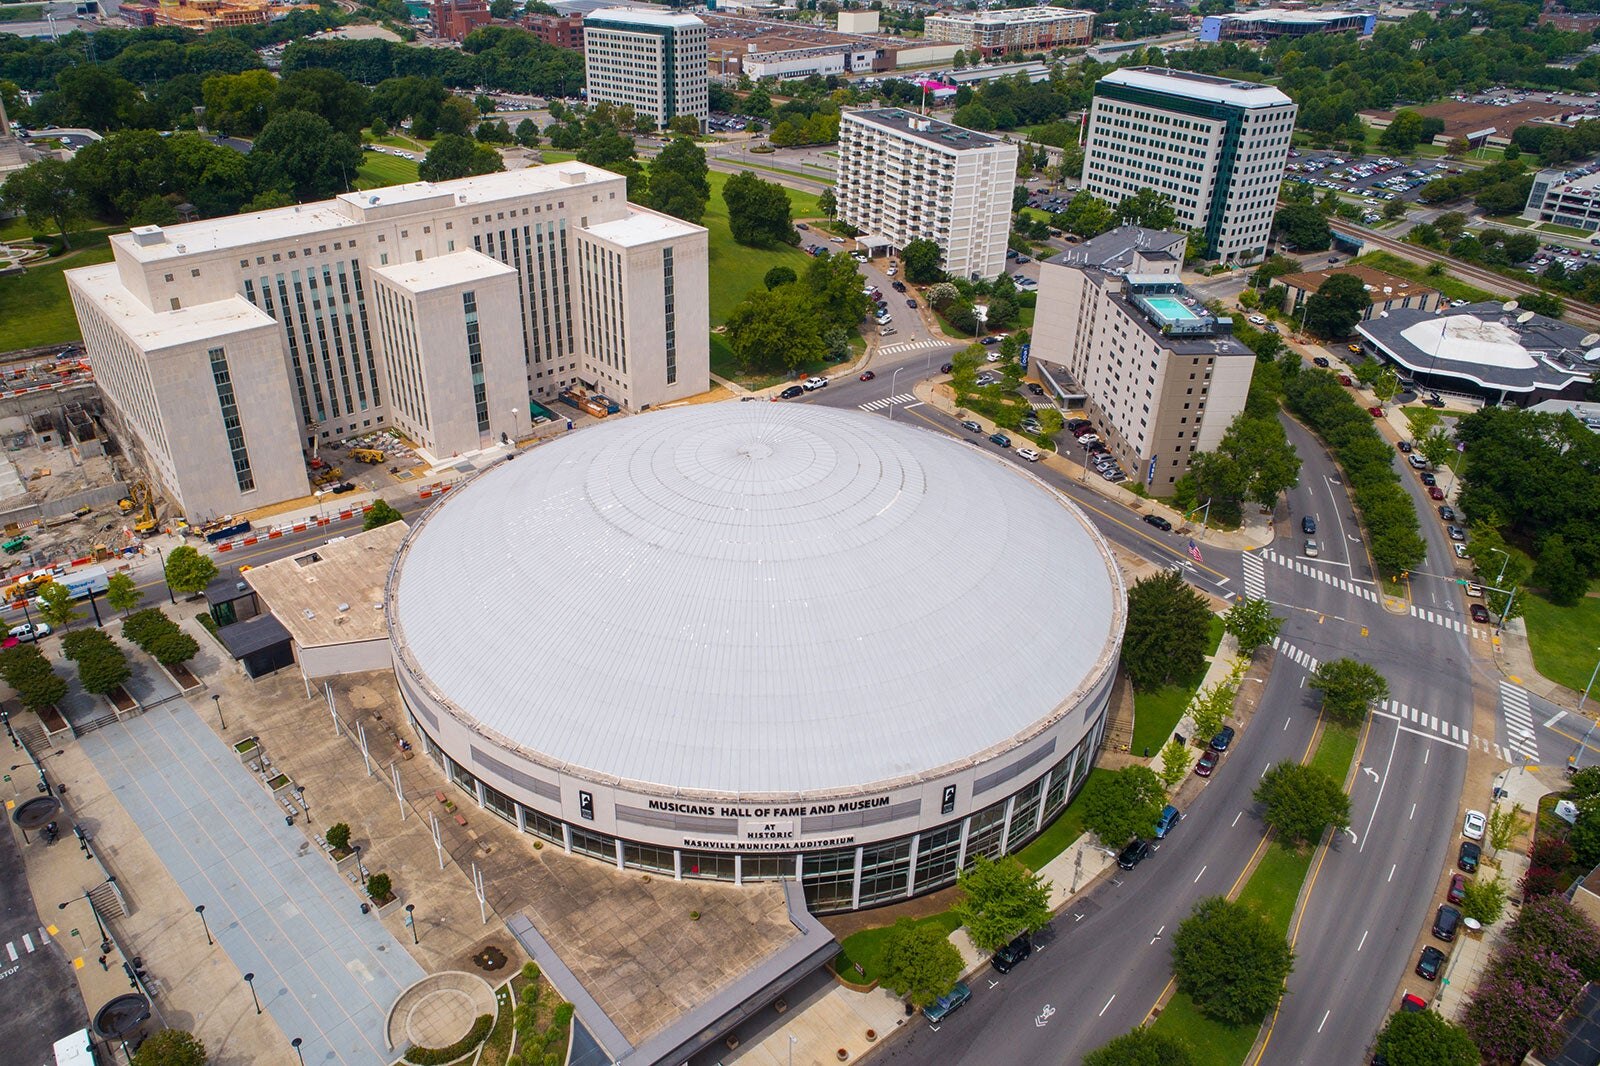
x=1377, y=180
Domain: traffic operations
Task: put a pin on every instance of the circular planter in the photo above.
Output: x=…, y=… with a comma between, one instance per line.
x=843, y=1054
x=872, y=1035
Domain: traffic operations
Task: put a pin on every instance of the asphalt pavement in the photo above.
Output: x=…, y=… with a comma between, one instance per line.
x=38, y=997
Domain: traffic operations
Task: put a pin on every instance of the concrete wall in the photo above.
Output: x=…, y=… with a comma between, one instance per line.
x=357, y=657
x=858, y=22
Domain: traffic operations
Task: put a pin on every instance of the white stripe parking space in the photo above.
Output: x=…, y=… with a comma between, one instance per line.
x=1518, y=721
x=1309, y=569
x=889, y=401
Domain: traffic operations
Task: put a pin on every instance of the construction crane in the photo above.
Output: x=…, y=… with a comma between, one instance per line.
x=144, y=501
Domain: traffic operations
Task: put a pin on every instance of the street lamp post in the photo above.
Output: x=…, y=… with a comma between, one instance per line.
x=200, y=909
x=516, y=426
x=1502, y=572
x=411, y=920
x=361, y=871
x=1584, y=743
x=162, y=556
x=892, y=379
x=250, y=979
x=295, y=1043
x=216, y=698
x=105, y=941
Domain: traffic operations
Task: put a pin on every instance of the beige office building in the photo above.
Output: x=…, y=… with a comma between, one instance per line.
x=1215, y=147
x=1022, y=29
x=653, y=61
x=1163, y=377
x=905, y=177
x=228, y=349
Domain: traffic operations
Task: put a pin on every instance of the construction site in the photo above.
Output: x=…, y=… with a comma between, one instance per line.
x=203, y=15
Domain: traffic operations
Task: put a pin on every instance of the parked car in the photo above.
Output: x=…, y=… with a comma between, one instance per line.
x=1137, y=851
x=1170, y=817
x=1308, y=525
x=1375, y=412
x=1456, y=532
x=1030, y=454
x=945, y=368
x=30, y=631
x=1431, y=962
x=1446, y=920
x=1223, y=739
x=911, y=304
x=1461, y=550
x=1427, y=478
x=1159, y=522
x=1405, y=447
x=1413, y=1004
x=991, y=339
x=811, y=384
x=1001, y=439
x=1467, y=857
x=1480, y=614
x=1010, y=957
x=1456, y=894
x=791, y=392
x=1036, y=388
x=1447, y=512
x=343, y=487
x=868, y=376
x=1435, y=492
x=1473, y=824
x=947, y=1004
x=1207, y=763
x=1417, y=462
x=898, y=286
x=1320, y=360
x=970, y=426
x=1344, y=379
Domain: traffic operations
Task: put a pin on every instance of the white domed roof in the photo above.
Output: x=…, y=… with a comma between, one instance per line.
x=750, y=598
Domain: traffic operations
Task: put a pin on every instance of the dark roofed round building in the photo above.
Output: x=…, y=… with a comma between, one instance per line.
x=753, y=641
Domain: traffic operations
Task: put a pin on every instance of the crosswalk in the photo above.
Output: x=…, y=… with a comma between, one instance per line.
x=1415, y=720
x=1304, y=658
x=1519, y=720
x=1309, y=570
x=1255, y=576
x=27, y=944
x=910, y=346
x=909, y=399
x=1439, y=618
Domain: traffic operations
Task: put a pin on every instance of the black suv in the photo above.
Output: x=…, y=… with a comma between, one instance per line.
x=1221, y=741
x=792, y=391
x=1445, y=922
x=1467, y=857
x=1136, y=852
x=1431, y=962
x=1308, y=525
x=1007, y=958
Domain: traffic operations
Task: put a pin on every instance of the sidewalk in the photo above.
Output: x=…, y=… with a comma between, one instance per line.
x=1257, y=531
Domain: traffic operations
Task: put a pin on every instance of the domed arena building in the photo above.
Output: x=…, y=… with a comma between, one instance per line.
x=752, y=641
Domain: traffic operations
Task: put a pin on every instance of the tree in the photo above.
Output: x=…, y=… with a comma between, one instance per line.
x=56, y=606
x=1437, y=447
x=1553, y=922
x=1348, y=687
x=919, y=962
x=758, y=211
x=1557, y=572
x=827, y=203
x=942, y=295
x=678, y=182
x=174, y=647
x=122, y=594
x=1252, y=624
x=1540, y=303
x=777, y=330
x=1142, y=1047
x=1002, y=899
x=28, y=672
x=1301, y=801
x=1423, y=1038
x=1167, y=631
x=453, y=156
x=381, y=513
x=922, y=259
x=1086, y=215
x=1394, y=209
x=46, y=193
x=303, y=155
x=1124, y=805
x=102, y=666
x=1147, y=208
x=1337, y=305
x=338, y=836
x=834, y=285
x=345, y=104
x=1404, y=131
x=1231, y=961
x=238, y=105
x=455, y=115
x=188, y=571
x=527, y=133
x=1210, y=707
x=1263, y=452
x=1175, y=760
x=1506, y=824
x=1386, y=384
x=1303, y=227
x=379, y=887
x=1484, y=901
x=171, y=1047
x=779, y=275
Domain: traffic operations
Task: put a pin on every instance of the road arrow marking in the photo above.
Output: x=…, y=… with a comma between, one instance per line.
x=1353, y=838
x=1043, y=1017
x=1370, y=770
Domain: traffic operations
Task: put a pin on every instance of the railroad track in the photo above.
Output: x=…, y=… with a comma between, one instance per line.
x=1577, y=310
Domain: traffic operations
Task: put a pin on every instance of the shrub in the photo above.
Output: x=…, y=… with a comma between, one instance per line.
x=1551, y=851
x=1540, y=881
x=530, y=971
x=429, y=1056
x=379, y=888
x=1553, y=922
x=338, y=836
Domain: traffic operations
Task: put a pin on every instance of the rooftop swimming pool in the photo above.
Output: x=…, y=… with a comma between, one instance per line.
x=1171, y=308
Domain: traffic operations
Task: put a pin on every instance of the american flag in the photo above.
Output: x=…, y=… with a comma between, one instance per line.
x=1194, y=550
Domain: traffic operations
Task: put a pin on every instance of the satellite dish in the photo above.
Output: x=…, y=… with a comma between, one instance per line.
x=1592, y=356
x=1509, y=306
x=1525, y=317
x=1589, y=340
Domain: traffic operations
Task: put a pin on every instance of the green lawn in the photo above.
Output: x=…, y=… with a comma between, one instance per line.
x=736, y=268
x=1335, y=750
x=396, y=140
x=552, y=155
x=1156, y=713
x=1214, y=1044
x=1067, y=827
x=823, y=175
x=34, y=306
x=1451, y=287
x=1564, y=640
x=378, y=170
x=866, y=947
x=1275, y=884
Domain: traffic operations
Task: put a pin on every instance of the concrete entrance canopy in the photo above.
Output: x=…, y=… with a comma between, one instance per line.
x=873, y=242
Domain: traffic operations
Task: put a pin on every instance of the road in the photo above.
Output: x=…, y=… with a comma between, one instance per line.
x=1405, y=798
x=38, y=996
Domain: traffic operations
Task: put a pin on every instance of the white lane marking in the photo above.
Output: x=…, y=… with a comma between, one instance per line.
x=1324, y=1020
x=1554, y=718
x=1106, y=1007
x=1199, y=875
x=1363, y=943
x=1235, y=820
x=1391, y=872
x=1393, y=744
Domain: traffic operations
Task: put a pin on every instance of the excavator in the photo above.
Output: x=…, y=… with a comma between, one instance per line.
x=144, y=501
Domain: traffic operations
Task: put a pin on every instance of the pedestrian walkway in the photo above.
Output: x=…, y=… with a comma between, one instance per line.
x=325, y=971
x=912, y=346
x=27, y=944
x=1439, y=618
x=1300, y=566
x=1304, y=658
x=1255, y=575
x=1420, y=722
x=1520, y=737
x=889, y=401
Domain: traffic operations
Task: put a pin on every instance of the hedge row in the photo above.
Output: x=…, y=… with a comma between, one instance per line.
x=159, y=636
x=439, y=1056
x=1367, y=459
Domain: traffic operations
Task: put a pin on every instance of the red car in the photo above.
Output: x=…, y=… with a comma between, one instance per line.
x=1344, y=379
x=1435, y=492
x=1413, y=1003
x=1375, y=412
x=868, y=376
x=1458, y=885
x=1208, y=762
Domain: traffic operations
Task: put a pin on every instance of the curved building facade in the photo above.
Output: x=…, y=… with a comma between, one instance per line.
x=756, y=641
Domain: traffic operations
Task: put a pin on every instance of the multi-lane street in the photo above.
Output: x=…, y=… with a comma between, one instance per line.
x=38, y=996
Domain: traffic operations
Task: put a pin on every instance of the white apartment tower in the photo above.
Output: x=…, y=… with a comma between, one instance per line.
x=1162, y=376
x=1214, y=146
x=1017, y=29
x=229, y=349
x=908, y=177
x=653, y=61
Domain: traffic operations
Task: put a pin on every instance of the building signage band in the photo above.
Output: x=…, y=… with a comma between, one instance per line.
x=804, y=810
